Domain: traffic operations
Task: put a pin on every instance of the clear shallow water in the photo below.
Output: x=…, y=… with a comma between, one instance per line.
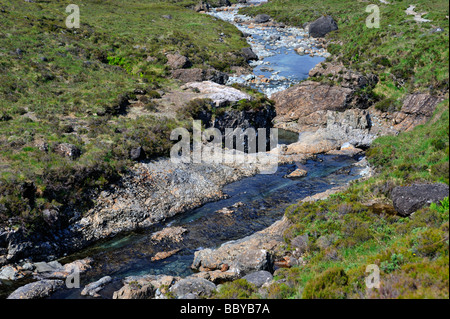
x=278, y=64
x=264, y=198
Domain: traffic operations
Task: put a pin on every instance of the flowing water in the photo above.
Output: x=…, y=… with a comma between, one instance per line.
x=253, y=203
x=279, y=65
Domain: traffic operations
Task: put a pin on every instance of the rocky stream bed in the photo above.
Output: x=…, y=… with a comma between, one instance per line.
x=184, y=228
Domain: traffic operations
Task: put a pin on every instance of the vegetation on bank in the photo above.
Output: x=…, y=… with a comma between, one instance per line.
x=60, y=85
x=407, y=56
x=338, y=237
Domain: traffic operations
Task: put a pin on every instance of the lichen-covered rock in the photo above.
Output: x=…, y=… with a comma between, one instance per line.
x=192, y=288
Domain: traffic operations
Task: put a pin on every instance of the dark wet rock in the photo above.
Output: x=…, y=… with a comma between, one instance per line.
x=200, y=75
x=37, y=290
x=177, y=61
x=322, y=26
x=51, y=217
x=67, y=150
x=192, y=288
x=409, y=199
x=248, y=54
x=262, y=18
x=259, y=278
x=137, y=154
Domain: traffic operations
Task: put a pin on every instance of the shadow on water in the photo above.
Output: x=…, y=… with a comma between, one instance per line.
x=253, y=204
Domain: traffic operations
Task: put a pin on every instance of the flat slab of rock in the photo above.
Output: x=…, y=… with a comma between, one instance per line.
x=220, y=94
x=409, y=199
x=308, y=102
x=37, y=290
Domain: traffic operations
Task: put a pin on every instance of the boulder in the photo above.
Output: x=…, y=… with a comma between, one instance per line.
x=10, y=273
x=93, y=288
x=192, y=288
x=37, y=290
x=137, y=154
x=259, y=278
x=322, y=26
x=202, y=6
x=177, y=61
x=299, y=172
x=248, y=54
x=67, y=150
x=220, y=94
x=139, y=288
x=262, y=18
x=253, y=260
x=416, y=110
x=306, y=104
x=409, y=199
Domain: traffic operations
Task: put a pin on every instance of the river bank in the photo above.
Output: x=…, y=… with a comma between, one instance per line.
x=204, y=183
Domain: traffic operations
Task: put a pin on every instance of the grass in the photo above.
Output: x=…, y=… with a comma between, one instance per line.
x=344, y=234
x=406, y=56
x=60, y=85
x=338, y=237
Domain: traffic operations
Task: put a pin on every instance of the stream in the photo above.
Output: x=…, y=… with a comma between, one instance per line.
x=252, y=204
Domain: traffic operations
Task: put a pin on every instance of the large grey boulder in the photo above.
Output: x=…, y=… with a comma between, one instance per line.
x=262, y=18
x=322, y=26
x=248, y=54
x=259, y=278
x=192, y=288
x=409, y=199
